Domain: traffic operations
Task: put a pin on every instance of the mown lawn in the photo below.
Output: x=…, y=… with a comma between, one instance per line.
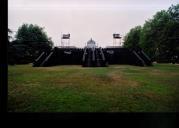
x=117, y=88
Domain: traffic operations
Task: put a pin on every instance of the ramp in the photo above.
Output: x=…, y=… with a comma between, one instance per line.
x=144, y=56
x=39, y=60
x=45, y=62
x=137, y=60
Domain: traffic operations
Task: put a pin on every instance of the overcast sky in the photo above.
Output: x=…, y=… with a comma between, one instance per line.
x=84, y=19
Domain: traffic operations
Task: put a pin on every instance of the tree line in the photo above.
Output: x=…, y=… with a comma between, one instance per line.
x=158, y=37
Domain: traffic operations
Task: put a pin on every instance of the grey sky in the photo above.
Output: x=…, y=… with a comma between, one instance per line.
x=84, y=19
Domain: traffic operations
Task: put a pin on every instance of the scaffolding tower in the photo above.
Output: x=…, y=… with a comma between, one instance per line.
x=65, y=40
x=117, y=40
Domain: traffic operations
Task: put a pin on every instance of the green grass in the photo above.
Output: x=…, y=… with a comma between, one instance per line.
x=117, y=88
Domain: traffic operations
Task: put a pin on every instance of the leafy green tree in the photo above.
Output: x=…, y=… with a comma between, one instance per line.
x=146, y=38
x=173, y=29
x=159, y=36
x=30, y=41
x=132, y=38
x=154, y=32
x=174, y=12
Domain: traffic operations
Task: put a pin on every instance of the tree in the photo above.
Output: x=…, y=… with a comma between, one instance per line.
x=174, y=12
x=146, y=38
x=173, y=28
x=131, y=40
x=30, y=41
x=154, y=34
x=159, y=36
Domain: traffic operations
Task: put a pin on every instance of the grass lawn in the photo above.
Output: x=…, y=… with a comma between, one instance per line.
x=117, y=88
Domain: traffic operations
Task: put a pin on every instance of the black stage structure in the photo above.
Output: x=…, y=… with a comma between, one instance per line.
x=92, y=56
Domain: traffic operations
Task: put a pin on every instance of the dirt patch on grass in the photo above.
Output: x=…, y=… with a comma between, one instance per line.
x=117, y=78
x=159, y=73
